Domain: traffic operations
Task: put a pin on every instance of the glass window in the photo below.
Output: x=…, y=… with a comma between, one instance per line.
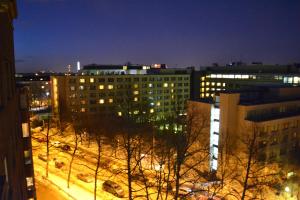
x=92, y=80
x=101, y=87
x=101, y=101
x=82, y=80
x=25, y=129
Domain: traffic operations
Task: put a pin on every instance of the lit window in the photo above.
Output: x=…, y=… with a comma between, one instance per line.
x=203, y=78
x=158, y=103
x=110, y=87
x=82, y=110
x=213, y=83
x=25, y=129
x=150, y=85
x=91, y=80
x=165, y=84
x=151, y=110
x=119, y=113
x=218, y=84
x=136, y=92
x=82, y=102
x=81, y=87
x=202, y=89
x=124, y=67
x=207, y=83
x=172, y=84
x=72, y=87
x=202, y=95
x=101, y=87
x=110, y=100
x=82, y=80
x=202, y=84
x=27, y=157
x=29, y=181
x=224, y=84
x=135, y=85
x=42, y=87
x=207, y=94
x=135, y=99
x=212, y=89
x=101, y=101
x=172, y=90
x=207, y=89
x=136, y=112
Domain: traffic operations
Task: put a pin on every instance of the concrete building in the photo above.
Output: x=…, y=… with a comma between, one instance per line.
x=96, y=88
x=38, y=85
x=272, y=112
x=212, y=80
x=16, y=166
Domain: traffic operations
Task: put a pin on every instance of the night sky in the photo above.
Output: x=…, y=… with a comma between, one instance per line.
x=50, y=34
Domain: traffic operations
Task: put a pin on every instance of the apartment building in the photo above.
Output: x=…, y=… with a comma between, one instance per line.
x=273, y=112
x=16, y=166
x=38, y=85
x=153, y=90
x=212, y=80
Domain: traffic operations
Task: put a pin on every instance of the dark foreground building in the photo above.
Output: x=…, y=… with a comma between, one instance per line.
x=16, y=166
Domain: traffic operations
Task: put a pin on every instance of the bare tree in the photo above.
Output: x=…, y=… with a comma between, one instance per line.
x=252, y=177
x=78, y=129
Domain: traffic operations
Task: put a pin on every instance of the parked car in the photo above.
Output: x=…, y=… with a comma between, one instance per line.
x=36, y=129
x=184, y=191
x=88, y=178
x=139, y=178
x=66, y=147
x=42, y=157
x=113, y=188
x=59, y=164
x=56, y=144
x=80, y=154
x=41, y=139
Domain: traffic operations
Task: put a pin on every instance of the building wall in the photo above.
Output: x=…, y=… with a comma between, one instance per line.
x=13, y=169
x=276, y=123
x=211, y=82
x=164, y=94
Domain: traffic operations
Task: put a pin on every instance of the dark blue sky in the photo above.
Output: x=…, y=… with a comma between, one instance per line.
x=49, y=34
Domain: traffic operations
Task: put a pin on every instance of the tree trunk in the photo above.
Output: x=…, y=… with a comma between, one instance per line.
x=97, y=167
x=250, y=156
x=128, y=149
x=47, y=154
x=71, y=162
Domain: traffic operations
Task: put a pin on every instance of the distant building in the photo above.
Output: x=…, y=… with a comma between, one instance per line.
x=273, y=111
x=38, y=85
x=97, y=88
x=210, y=81
x=16, y=166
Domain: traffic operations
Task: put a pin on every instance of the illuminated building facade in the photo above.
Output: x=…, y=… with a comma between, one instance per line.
x=274, y=112
x=159, y=91
x=38, y=85
x=16, y=166
x=212, y=80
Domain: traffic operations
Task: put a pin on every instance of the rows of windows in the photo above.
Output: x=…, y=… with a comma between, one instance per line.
x=129, y=79
x=126, y=86
x=280, y=126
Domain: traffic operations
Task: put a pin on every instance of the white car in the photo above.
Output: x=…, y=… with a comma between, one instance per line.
x=56, y=144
